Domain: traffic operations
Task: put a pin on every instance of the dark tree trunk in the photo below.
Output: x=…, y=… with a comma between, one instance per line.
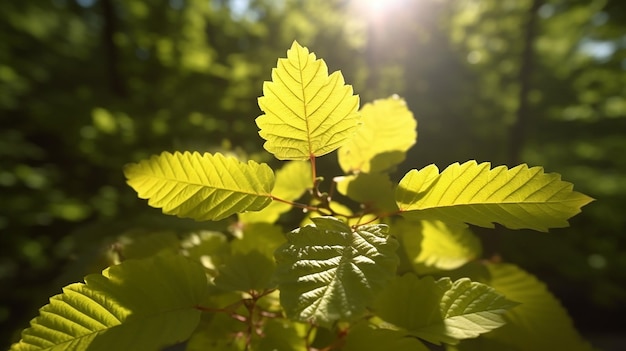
x=518, y=130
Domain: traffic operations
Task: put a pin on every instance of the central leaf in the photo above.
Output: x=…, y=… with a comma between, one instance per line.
x=307, y=112
x=328, y=272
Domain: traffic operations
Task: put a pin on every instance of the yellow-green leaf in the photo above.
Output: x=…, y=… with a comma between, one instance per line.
x=388, y=131
x=292, y=180
x=440, y=311
x=539, y=323
x=434, y=245
x=307, y=112
x=137, y=305
x=202, y=187
x=519, y=197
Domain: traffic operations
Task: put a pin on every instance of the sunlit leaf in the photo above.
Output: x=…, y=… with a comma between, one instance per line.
x=328, y=272
x=307, y=112
x=441, y=311
x=539, y=323
x=468, y=309
x=202, y=187
x=435, y=245
x=121, y=309
x=388, y=131
x=519, y=197
x=292, y=180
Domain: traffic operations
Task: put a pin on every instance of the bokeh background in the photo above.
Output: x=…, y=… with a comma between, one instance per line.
x=89, y=85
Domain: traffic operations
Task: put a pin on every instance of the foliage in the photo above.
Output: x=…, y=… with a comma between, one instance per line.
x=348, y=271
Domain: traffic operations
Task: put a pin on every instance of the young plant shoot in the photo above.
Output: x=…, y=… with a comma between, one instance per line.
x=399, y=271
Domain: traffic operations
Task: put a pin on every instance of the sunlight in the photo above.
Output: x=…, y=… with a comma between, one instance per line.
x=375, y=9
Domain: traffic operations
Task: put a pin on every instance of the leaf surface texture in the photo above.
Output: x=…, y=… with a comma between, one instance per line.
x=441, y=311
x=328, y=272
x=306, y=111
x=539, y=323
x=202, y=187
x=122, y=308
x=519, y=197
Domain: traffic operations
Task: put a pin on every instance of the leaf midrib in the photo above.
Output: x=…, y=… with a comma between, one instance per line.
x=176, y=180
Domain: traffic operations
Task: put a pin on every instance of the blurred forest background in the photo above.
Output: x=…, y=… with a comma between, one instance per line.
x=89, y=85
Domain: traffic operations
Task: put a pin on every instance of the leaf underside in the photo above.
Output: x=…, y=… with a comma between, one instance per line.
x=202, y=187
x=519, y=197
x=121, y=309
x=306, y=111
x=328, y=272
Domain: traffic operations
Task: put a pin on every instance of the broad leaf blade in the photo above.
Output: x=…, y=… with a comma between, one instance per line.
x=207, y=247
x=410, y=303
x=519, y=197
x=435, y=245
x=374, y=190
x=307, y=112
x=252, y=265
x=388, y=131
x=292, y=180
x=540, y=323
x=365, y=337
x=202, y=187
x=121, y=309
x=328, y=272
x=468, y=309
x=441, y=311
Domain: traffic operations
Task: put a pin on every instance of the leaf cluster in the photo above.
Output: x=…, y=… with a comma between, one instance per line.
x=401, y=271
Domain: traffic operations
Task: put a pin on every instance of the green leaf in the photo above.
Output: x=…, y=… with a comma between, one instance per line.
x=373, y=190
x=540, y=323
x=388, y=131
x=519, y=197
x=143, y=245
x=202, y=187
x=122, y=308
x=468, y=309
x=292, y=180
x=246, y=272
x=218, y=332
x=282, y=335
x=207, y=247
x=262, y=237
x=307, y=112
x=441, y=311
x=251, y=265
x=328, y=272
x=435, y=245
x=365, y=337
